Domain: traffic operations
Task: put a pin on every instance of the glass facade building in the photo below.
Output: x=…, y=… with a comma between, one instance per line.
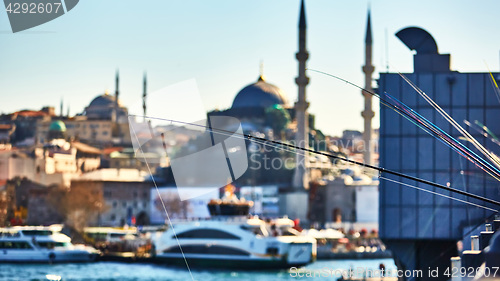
x=422, y=228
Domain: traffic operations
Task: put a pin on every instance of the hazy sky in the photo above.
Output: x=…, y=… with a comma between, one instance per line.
x=220, y=43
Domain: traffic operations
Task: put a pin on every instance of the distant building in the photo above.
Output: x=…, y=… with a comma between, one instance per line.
x=126, y=193
x=95, y=132
x=252, y=106
x=54, y=162
x=102, y=108
x=5, y=204
x=346, y=199
x=420, y=228
x=96, y=125
x=41, y=210
x=24, y=123
x=127, y=158
x=6, y=131
x=26, y=202
x=103, y=123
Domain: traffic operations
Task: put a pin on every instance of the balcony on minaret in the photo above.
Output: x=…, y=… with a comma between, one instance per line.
x=302, y=80
x=301, y=106
x=368, y=114
x=302, y=55
x=368, y=69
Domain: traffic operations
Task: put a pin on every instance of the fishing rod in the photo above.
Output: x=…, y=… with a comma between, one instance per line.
x=430, y=128
x=380, y=169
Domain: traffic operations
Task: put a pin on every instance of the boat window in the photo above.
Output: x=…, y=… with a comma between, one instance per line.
x=37, y=232
x=207, y=250
x=97, y=236
x=15, y=245
x=117, y=235
x=4, y=234
x=51, y=245
x=206, y=233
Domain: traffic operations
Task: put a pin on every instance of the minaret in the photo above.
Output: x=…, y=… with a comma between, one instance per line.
x=116, y=109
x=301, y=179
x=144, y=95
x=368, y=113
x=61, y=114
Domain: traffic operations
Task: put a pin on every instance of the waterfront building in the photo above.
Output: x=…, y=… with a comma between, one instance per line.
x=126, y=193
x=54, y=162
x=420, y=228
x=347, y=201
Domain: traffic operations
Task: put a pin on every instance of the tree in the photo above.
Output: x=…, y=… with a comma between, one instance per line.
x=278, y=118
x=78, y=205
x=175, y=207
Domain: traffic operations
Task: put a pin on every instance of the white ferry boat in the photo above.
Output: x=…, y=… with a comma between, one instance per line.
x=232, y=240
x=41, y=244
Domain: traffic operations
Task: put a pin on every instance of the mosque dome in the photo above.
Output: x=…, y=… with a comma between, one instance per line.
x=57, y=126
x=103, y=100
x=102, y=108
x=259, y=94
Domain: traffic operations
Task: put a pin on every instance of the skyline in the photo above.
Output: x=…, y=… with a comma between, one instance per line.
x=75, y=56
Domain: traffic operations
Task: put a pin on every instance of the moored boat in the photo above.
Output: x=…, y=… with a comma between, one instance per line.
x=41, y=244
x=232, y=239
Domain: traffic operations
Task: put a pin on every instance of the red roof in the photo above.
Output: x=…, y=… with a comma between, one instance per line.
x=31, y=113
x=110, y=150
x=85, y=148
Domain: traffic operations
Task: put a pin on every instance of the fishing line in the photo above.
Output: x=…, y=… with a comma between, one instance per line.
x=436, y=132
x=486, y=129
x=449, y=140
x=163, y=204
x=441, y=133
x=450, y=120
x=480, y=131
x=494, y=84
x=437, y=193
x=380, y=169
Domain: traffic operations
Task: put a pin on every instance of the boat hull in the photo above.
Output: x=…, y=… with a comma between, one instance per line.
x=46, y=257
x=229, y=263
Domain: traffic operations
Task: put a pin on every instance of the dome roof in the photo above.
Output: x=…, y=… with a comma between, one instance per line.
x=259, y=94
x=103, y=100
x=57, y=126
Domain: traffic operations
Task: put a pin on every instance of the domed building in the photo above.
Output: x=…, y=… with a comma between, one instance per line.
x=57, y=130
x=254, y=106
x=103, y=107
x=259, y=94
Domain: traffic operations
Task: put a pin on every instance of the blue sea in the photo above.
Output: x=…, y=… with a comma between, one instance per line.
x=113, y=271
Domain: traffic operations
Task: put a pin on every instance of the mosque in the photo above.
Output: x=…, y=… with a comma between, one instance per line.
x=261, y=107
x=102, y=108
x=251, y=103
x=103, y=123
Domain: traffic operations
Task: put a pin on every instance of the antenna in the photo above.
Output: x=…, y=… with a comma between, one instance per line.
x=386, y=51
x=261, y=70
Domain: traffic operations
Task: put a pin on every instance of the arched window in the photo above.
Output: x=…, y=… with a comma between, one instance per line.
x=207, y=250
x=206, y=233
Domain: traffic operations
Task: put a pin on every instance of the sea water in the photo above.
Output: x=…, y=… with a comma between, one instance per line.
x=112, y=271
